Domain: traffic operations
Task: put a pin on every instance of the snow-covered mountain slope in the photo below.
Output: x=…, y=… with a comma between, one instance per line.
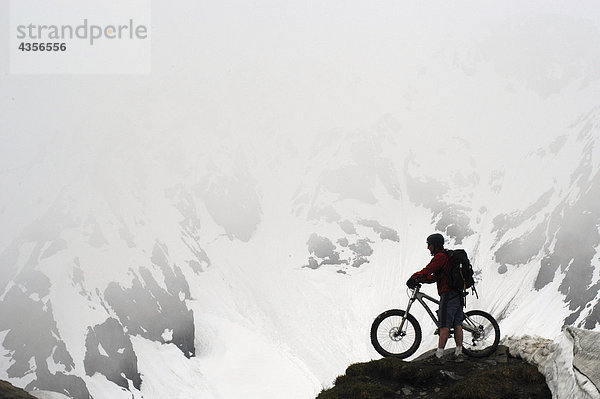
x=262, y=271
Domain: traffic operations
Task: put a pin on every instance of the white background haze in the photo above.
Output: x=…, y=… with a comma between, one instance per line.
x=276, y=92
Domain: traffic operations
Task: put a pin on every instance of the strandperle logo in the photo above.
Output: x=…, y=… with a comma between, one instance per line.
x=84, y=31
x=80, y=36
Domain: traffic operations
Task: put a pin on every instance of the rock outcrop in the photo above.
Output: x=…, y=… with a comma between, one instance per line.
x=497, y=376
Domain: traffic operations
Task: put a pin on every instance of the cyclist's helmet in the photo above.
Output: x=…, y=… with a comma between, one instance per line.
x=437, y=240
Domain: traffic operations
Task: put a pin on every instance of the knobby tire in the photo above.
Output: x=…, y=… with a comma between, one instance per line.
x=484, y=340
x=388, y=341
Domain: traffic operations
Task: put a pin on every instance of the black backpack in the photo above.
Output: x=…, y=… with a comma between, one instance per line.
x=461, y=271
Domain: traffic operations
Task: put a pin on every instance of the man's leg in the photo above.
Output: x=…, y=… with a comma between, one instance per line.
x=443, y=338
x=444, y=331
x=458, y=330
x=458, y=339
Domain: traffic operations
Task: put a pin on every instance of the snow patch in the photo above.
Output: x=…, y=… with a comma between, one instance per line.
x=167, y=335
x=102, y=351
x=555, y=360
x=47, y=395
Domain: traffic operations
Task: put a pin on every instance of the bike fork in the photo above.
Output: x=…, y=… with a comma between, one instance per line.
x=410, y=302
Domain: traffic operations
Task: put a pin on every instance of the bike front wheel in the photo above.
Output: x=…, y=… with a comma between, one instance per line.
x=481, y=334
x=391, y=341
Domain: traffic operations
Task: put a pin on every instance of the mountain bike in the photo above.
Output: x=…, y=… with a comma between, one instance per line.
x=397, y=333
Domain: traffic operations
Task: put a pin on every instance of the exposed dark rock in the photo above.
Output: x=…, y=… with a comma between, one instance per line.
x=78, y=279
x=326, y=213
x=362, y=251
x=118, y=363
x=187, y=207
x=557, y=144
x=522, y=250
x=454, y=221
x=426, y=192
x=324, y=249
x=70, y=385
x=33, y=337
x=190, y=227
x=385, y=233
x=46, y=229
x=359, y=261
x=343, y=242
x=148, y=310
x=347, y=227
x=450, y=218
x=573, y=226
x=324, y=252
x=195, y=266
x=312, y=263
x=504, y=222
x=362, y=247
x=174, y=278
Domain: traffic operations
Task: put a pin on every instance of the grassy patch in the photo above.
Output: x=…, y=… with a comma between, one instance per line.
x=512, y=380
x=503, y=378
x=378, y=379
x=392, y=369
x=358, y=388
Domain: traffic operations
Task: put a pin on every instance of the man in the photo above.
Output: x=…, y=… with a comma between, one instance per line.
x=450, y=313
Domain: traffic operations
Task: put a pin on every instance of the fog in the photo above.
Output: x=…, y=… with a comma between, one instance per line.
x=507, y=77
x=349, y=129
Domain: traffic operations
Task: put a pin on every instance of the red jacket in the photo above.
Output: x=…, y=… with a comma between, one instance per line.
x=437, y=271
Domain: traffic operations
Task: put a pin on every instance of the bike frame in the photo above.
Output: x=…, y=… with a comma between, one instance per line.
x=468, y=324
x=420, y=296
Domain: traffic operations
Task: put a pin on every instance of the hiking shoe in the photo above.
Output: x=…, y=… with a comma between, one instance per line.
x=459, y=358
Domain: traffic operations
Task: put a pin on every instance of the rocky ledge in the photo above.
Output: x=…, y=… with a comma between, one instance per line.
x=8, y=391
x=498, y=376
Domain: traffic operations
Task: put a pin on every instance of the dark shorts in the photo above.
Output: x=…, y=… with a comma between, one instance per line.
x=450, y=313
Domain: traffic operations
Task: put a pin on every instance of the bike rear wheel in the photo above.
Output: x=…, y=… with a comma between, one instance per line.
x=389, y=341
x=481, y=334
